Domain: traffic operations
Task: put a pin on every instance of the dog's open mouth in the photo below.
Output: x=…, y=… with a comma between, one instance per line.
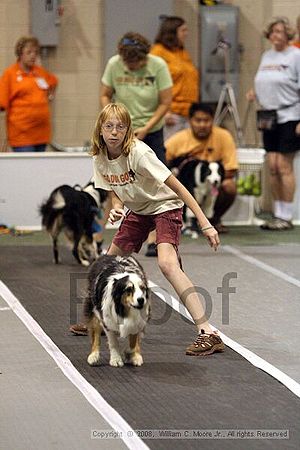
x=138, y=306
x=214, y=191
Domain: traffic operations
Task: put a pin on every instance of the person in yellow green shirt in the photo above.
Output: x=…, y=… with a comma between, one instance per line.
x=142, y=82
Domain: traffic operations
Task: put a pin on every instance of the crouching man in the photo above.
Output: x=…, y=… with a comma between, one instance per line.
x=207, y=142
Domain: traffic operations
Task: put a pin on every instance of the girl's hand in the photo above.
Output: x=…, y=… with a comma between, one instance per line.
x=298, y=128
x=212, y=236
x=115, y=215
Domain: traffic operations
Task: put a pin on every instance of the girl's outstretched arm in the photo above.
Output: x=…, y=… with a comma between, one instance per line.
x=207, y=229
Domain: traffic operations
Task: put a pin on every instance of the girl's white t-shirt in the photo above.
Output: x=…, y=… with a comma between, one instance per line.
x=138, y=180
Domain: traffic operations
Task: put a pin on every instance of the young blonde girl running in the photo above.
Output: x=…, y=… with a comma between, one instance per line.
x=154, y=198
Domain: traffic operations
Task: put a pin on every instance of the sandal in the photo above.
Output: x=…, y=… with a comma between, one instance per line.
x=277, y=224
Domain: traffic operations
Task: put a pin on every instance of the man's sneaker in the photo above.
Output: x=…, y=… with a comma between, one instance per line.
x=79, y=329
x=205, y=344
x=151, y=250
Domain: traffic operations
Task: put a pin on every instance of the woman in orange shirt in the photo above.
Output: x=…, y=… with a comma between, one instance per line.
x=169, y=45
x=25, y=92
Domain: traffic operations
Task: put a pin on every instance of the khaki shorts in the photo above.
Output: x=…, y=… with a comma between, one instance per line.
x=134, y=229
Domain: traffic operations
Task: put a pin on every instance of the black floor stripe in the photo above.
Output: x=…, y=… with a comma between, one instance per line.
x=171, y=390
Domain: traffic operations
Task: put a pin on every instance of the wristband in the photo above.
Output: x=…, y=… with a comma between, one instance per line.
x=206, y=228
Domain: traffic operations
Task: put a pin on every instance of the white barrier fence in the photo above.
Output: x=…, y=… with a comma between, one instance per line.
x=26, y=179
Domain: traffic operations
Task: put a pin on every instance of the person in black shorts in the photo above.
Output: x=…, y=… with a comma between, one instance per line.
x=277, y=87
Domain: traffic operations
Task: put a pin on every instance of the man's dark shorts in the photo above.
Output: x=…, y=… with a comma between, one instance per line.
x=134, y=229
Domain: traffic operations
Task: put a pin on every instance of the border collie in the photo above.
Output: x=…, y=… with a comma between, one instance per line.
x=73, y=210
x=203, y=180
x=118, y=303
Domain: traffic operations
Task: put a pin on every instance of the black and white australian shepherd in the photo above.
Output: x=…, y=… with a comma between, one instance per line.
x=73, y=210
x=118, y=303
x=203, y=180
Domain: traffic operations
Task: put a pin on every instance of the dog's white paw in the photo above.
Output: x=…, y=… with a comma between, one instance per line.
x=94, y=359
x=85, y=262
x=135, y=359
x=116, y=361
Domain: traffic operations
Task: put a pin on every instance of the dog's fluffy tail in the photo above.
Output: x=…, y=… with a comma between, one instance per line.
x=51, y=208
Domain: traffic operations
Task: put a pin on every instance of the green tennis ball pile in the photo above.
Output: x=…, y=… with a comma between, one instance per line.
x=249, y=185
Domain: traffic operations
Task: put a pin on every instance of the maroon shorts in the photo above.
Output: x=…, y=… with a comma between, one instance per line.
x=134, y=229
